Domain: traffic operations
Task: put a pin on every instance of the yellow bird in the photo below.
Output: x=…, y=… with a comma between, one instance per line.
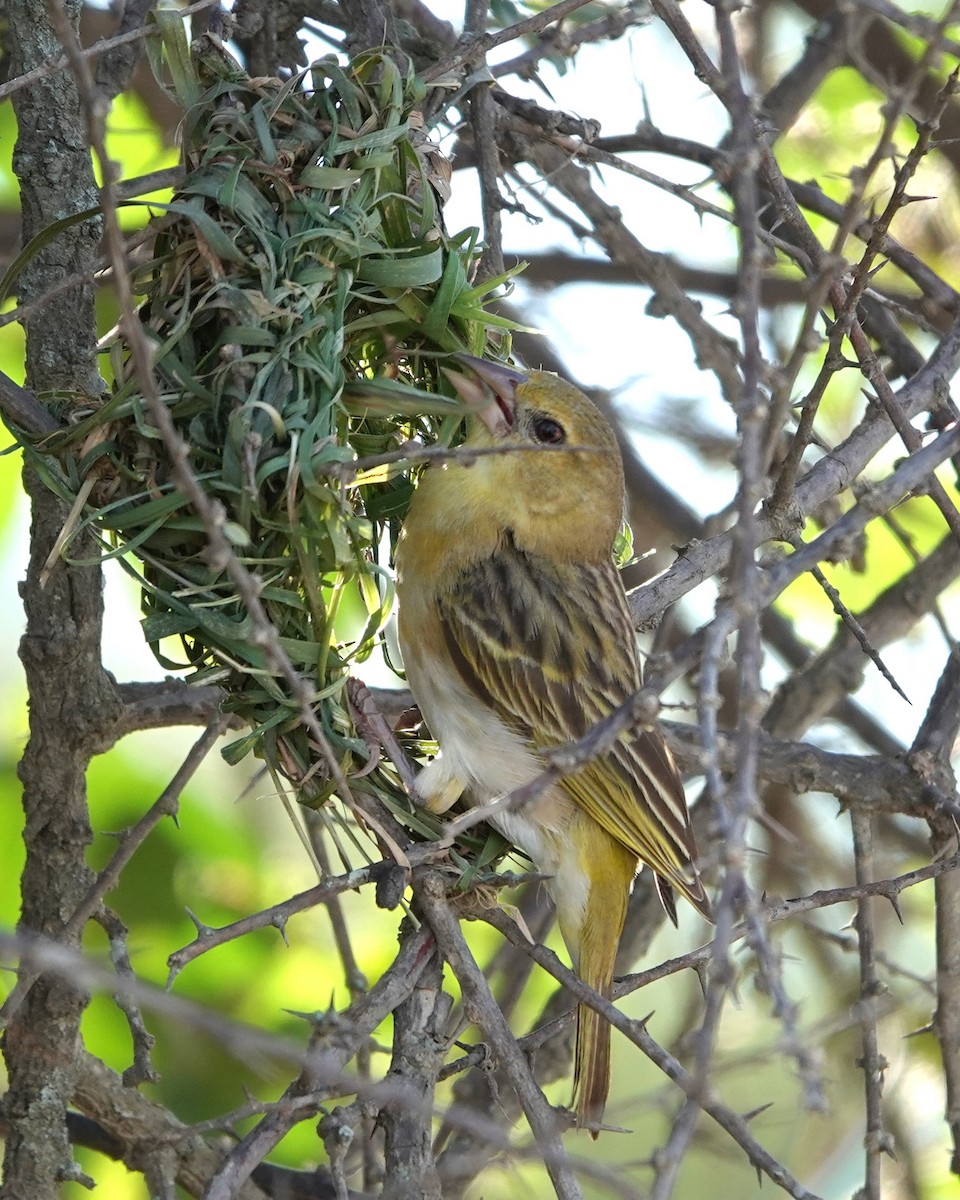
x=516, y=637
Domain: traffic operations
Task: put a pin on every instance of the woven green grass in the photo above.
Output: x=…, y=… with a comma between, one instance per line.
x=301, y=301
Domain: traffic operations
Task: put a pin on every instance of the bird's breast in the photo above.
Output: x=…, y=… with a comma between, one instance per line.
x=482, y=755
x=489, y=758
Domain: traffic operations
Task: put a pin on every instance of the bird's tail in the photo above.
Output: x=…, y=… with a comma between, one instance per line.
x=591, y=1080
x=606, y=911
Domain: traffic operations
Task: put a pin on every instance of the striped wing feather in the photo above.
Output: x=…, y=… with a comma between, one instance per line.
x=550, y=647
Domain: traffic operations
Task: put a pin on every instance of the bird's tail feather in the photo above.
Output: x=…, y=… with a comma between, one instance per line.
x=591, y=1081
x=606, y=911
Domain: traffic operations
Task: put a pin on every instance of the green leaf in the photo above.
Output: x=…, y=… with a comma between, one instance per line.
x=438, y=315
x=173, y=52
x=332, y=178
x=415, y=271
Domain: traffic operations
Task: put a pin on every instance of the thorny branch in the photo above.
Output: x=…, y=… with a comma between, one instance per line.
x=931, y=755
x=799, y=484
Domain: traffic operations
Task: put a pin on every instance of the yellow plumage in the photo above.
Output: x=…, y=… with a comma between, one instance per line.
x=516, y=637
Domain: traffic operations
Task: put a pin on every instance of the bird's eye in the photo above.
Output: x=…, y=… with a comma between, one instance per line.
x=549, y=431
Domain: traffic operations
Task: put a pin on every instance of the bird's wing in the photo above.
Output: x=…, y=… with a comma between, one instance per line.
x=550, y=647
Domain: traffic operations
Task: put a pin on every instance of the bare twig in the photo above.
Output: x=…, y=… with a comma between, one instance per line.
x=637, y=1033
x=276, y=916
x=871, y=783
x=477, y=46
x=851, y=622
x=830, y=476
x=912, y=473
x=166, y=805
x=734, y=803
x=484, y=1011
x=484, y=123
x=419, y=1046
x=162, y=704
x=133, y=1121
x=713, y=351
x=373, y=726
x=931, y=753
x=23, y=412
x=783, y=910
x=331, y=1049
x=876, y=1141
x=142, y=1069
x=28, y=78
x=817, y=686
x=117, y=64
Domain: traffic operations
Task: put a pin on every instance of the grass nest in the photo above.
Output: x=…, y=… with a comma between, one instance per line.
x=300, y=302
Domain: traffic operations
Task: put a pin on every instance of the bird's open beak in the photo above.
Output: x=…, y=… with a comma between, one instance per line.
x=503, y=381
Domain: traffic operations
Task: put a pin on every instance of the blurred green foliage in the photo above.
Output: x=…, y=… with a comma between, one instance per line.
x=136, y=142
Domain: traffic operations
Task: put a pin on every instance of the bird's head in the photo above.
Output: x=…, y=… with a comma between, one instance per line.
x=559, y=486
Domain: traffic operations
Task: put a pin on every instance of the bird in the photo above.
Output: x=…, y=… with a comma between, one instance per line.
x=516, y=639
